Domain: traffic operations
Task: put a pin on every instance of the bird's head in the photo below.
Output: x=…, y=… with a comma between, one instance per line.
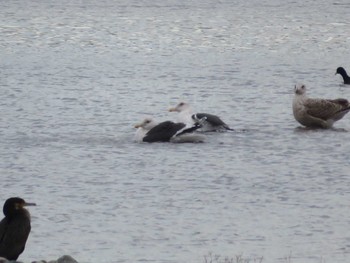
x=300, y=89
x=147, y=124
x=340, y=71
x=15, y=204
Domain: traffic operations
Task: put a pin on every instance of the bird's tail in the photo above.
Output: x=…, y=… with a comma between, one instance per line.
x=228, y=128
x=191, y=129
x=344, y=110
x=197, y=125
x=341, y=113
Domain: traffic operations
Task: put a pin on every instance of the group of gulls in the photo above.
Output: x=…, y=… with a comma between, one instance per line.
x=183, y=130
x=310, y=112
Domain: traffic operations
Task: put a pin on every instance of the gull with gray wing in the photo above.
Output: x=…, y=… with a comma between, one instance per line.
x=211, y=122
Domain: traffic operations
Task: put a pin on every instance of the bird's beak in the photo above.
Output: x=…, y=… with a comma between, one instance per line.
x=137, y=125
x=29, y=204
x=172, y=109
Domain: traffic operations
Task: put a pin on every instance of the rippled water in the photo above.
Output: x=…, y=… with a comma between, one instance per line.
x=77, y=75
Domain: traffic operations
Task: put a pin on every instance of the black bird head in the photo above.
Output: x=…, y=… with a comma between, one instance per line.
x=15, y=205
x=341, y=71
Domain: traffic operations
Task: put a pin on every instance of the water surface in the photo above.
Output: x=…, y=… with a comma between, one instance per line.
x=77, y=75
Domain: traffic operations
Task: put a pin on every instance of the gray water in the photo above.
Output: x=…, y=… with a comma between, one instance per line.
x=77, y=75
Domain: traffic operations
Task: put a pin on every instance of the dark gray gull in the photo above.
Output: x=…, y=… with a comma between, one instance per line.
x=167, y=131
x=343, y=73
x=187, y=115
x=317, y=113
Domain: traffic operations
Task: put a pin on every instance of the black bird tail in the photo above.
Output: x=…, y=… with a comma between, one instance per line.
x=228, y=128
x=196, y=126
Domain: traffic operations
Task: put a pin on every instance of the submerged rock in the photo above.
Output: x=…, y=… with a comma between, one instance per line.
x=4, y=260
x=63, y=259
x=66, y=259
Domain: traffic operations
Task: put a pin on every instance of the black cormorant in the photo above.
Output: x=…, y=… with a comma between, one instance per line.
x=343, y=73
x=14, y=228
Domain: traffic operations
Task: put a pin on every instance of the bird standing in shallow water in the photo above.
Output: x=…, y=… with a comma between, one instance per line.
x=14, y=228
x=317, y=113
x=343, y=73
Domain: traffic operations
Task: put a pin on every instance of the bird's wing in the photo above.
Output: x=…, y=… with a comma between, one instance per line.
x=3, y=229
x=163, y=131
x=212, y=119
x=14, y=235
x=323, y=109
x=341, y=101
x=187, y=129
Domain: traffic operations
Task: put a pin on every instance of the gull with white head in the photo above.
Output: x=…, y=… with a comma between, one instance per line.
x=317, y=113
x=143, y=127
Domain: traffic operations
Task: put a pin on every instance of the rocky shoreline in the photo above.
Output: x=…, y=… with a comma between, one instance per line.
x=63, y=259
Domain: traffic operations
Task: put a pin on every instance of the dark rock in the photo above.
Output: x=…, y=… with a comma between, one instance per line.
x=66, y=259
x=63, y=259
